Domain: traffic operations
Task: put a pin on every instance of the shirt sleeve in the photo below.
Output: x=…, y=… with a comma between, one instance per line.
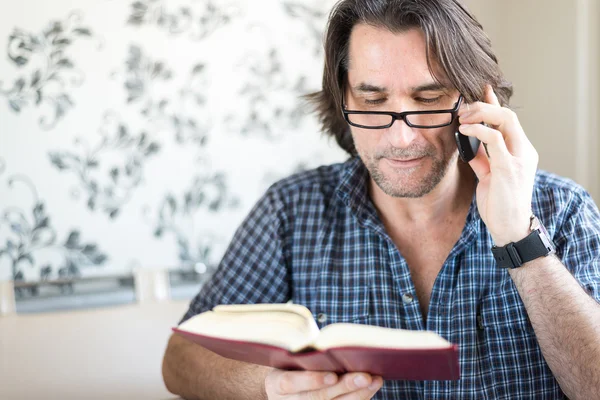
x=253, y=268
x=578, y=242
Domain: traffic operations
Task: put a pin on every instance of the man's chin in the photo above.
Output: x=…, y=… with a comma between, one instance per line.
x=402, y=189
x=411, y=182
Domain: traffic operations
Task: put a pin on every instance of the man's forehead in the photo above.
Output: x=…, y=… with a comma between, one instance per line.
x=382, y=61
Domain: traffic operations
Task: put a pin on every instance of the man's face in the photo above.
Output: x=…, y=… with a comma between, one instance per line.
x=388, y=72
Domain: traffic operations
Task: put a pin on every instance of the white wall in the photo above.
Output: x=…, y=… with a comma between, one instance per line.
x=140, y=133
x=549, y=50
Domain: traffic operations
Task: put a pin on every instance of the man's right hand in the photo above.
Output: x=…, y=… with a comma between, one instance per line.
x=311, y=385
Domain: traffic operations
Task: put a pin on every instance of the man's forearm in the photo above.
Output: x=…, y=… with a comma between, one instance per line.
x=566, y=321
x=195, y=373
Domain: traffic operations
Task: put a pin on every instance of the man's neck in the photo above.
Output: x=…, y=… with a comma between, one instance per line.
x=451, y=197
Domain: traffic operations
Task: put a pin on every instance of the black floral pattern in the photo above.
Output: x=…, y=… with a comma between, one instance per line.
x=32, y=233
x=109, y=171
x=184, y=116
x=313, y=17
x=208, y=193
x=200, y=18
x=54, y=70
x=142, y=72
x=177, y=113
x=263, y=113
x=165, y=103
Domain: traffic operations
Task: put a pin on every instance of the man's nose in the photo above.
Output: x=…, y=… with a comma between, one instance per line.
x=400, y=135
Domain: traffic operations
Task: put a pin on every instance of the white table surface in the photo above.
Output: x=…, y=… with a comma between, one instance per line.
x=112, y=353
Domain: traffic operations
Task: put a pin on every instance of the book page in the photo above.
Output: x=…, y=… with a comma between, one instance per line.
x=288, y=326
x=349, y=335
x=245, y=308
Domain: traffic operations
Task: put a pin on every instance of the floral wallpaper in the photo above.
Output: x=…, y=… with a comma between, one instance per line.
x=142, y=132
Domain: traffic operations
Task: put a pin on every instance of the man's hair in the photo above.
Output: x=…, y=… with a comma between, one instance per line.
x=454, y=39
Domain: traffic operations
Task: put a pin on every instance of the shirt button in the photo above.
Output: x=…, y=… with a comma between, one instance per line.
x=322, y=318
x=407, y=298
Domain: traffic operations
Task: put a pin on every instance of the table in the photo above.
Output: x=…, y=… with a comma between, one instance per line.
x=113, y=353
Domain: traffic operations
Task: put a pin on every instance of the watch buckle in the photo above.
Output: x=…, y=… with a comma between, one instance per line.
x=514, y=255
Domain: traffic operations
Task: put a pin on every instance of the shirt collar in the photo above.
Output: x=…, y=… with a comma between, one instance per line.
x=353, y=186
x=353, y=191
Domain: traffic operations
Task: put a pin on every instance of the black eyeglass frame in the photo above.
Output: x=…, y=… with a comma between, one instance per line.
x=402, y=116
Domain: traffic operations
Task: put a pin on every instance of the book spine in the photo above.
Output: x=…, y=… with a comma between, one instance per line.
x=317, y=360
x=406, y=364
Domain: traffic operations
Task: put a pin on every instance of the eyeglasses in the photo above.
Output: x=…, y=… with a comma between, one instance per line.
x=415, y=119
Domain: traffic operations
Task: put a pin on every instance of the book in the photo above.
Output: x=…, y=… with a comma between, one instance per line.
x=286, y=336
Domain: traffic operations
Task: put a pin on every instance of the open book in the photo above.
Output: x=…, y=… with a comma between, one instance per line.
x=286, y=336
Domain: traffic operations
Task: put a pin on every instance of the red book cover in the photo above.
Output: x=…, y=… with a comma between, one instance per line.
x=390, y=363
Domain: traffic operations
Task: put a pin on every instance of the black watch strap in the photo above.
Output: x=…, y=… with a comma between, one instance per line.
x=514, y=255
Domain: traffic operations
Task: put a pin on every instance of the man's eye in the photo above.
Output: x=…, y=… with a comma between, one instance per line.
x=428, y=101
x=374, y=101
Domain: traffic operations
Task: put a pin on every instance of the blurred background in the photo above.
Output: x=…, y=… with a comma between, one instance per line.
x=138, y=134
x=135, y=135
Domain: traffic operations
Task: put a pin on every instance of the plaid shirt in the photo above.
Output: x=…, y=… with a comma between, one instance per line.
x=315, y=238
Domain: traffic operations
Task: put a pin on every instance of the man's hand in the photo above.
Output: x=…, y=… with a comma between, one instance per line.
x=309, y=385
x=505, y=178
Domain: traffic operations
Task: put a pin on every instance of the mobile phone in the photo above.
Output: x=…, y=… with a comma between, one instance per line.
x=467, y=146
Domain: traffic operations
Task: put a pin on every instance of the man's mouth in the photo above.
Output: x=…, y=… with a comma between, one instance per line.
x=404, y=162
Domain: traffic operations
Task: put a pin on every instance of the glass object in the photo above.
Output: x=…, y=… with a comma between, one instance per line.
x=415, y=119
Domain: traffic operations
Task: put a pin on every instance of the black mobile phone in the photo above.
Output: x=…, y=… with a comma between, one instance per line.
x=467, y=146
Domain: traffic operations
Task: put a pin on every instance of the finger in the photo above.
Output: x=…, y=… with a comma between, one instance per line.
x=496, y=145
x=490, y=96
x=502, y=119
x=364, y=394
x=292, y=382
x=347, y=384
x=487, y=113
x=480, y=164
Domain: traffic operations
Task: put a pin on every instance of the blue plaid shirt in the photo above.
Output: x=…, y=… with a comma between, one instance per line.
x=315, y=238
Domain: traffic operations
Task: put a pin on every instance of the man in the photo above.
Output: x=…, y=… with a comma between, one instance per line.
x=401, y=235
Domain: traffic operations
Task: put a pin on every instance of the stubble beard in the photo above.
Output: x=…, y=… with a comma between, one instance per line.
x=397, y=185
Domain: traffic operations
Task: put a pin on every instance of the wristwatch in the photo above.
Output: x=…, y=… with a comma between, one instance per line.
x=537, y=244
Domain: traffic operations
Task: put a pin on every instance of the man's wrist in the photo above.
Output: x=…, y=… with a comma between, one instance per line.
x=511, y=237
x=516, y=253
x=518, y=230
